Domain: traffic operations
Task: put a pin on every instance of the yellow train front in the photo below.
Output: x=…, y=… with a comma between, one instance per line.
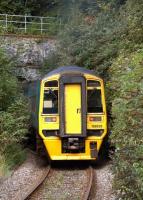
x=72, y=114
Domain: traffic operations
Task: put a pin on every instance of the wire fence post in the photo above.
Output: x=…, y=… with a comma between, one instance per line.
x=41, y=25
x=6, y=22
x=22, y=23
x=25, y=28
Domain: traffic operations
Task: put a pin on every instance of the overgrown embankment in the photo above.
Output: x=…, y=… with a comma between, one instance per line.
x=20, y=62
x=13, y=116
x=126, y=85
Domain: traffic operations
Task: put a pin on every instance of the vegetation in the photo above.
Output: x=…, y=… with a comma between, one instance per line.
x=31, y=7
x=127, y=89
x=109, y=40
x=107, y=37
x=33, y=26
x=51, y=7
x=13, y=116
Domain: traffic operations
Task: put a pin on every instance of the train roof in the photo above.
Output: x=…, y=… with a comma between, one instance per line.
x=65, y=69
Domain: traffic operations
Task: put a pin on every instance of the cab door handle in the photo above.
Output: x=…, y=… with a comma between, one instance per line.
x=78, y=110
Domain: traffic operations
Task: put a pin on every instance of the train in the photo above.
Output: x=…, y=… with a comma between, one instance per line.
x=68, y=112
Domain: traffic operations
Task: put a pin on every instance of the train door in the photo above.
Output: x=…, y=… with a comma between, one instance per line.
x=73, y=120
x=72, y=103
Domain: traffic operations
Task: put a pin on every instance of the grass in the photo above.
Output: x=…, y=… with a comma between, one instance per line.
x=32, y=29
x=13, y=156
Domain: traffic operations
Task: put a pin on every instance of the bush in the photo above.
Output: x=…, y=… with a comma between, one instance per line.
x=14, y=115
x=127, y=89
x=14, y=123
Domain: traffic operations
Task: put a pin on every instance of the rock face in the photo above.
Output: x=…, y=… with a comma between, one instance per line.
x=30, y=54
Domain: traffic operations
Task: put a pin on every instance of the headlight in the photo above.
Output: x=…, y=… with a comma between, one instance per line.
x=50, y=119
x=95, y=119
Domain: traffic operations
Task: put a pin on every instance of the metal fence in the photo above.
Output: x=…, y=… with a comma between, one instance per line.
x=26, y=24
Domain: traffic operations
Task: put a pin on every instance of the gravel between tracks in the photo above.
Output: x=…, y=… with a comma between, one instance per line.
x=104, y=179
x=62, y=185
x=15, y=187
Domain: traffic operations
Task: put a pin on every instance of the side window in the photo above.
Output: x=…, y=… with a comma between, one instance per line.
x=50, y=104
x=94, y=103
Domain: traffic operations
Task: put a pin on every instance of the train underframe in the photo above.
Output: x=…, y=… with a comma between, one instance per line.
x=72, y=148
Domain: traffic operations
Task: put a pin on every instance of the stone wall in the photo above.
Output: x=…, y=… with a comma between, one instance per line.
x=29, y=53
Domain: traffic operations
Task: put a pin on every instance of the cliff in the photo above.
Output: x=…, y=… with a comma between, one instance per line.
x=29, y=54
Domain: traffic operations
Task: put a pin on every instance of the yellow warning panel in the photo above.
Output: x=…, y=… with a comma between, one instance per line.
x=73, y=120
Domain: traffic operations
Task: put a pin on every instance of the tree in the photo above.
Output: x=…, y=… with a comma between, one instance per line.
x=31, y=7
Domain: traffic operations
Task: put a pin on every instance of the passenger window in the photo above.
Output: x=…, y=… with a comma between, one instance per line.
x=94, y=103
x=50, y=105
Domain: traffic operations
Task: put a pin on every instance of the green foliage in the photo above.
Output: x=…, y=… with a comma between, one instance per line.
x=50, y=63
x=8, y=82
x=10, y=7
x=90, y=41
x=14, y=123
x=14, y=155
x=93, y=41
x=127, y=111
x=31, y=7
x=49, y=29
x=14, y=115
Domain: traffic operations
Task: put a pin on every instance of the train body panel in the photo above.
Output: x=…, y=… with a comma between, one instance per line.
x=57, y=154
x=72, y=114
x=32, y=91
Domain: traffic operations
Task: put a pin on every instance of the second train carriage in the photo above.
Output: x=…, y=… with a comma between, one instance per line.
x=69, y=113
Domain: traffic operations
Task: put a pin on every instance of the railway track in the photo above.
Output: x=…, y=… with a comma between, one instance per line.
x=67, y=184
x=88, y=189
x=37, y=184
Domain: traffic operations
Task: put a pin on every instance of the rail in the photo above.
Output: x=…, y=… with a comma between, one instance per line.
x=36, y=184
x=87, y=188
x=25, y=24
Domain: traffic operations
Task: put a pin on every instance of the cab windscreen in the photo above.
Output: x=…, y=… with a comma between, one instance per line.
x=50, y=104
x=94, y=103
